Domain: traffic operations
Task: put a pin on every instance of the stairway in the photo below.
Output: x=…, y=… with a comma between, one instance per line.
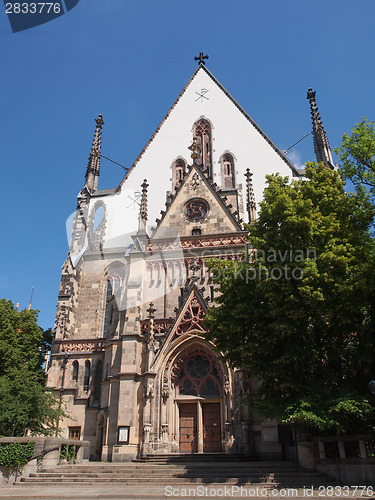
x=182, y=471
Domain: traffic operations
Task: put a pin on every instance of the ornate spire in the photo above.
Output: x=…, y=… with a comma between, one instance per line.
x=143, y=207
x=321, y=144
x=93, y=166
x=250, y=199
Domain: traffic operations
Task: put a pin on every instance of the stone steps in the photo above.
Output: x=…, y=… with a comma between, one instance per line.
x=166, y=481
x=156, y=474
x=173, y=479
x=186, y=457
x=183, y=471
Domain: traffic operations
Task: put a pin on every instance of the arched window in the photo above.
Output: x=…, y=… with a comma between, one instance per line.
x=227, y=171
x=97, y=225
x=75, y=371
x=86, y=379
x=98, y=381
x=203, y=133
x=114, y=294
x=178, y=172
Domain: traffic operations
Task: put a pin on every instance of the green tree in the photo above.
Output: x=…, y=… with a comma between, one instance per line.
x=357, y=155
x=25, y=405
x=297, y=316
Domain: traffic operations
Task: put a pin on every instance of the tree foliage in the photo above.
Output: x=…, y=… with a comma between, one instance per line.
x=16, y=455
x=357, y=155
x=25, y=405
x=298, y=315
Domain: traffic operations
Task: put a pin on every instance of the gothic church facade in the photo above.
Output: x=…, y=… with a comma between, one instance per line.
x=129, y=358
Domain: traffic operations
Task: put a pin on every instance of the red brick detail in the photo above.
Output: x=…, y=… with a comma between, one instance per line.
x=95, y=345
x=161, y=325
x=199, y=242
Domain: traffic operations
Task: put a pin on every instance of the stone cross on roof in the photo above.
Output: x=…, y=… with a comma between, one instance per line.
x=201, y=58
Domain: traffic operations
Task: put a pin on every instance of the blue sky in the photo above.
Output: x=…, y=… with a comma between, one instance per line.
x=128, y=60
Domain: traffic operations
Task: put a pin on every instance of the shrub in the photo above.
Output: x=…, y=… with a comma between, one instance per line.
x=15, y=455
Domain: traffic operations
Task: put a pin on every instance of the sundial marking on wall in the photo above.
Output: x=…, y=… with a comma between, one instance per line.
x=202, y=95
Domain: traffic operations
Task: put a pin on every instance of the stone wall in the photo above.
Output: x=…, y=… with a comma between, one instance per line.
x=46, y=454
x=349, y=459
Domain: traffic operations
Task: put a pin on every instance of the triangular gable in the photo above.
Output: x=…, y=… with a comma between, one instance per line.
x=233, y=100
x=196, y=186
x=189, y=319
x=233, y=132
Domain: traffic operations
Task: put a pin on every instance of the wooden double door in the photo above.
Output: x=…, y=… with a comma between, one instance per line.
x=200, y=428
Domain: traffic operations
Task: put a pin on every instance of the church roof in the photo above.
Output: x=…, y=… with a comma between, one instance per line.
x=103, y=192
x=202, y=67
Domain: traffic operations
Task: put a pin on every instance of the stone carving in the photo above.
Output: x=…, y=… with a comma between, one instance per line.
x=146, y=433
x=164, y=433
x=195, y=149
x=202, y=242
x=161, y=326
x=226, y=385
x=195, y=181
x=165, y=388
x=81, y=346
x=150, y=389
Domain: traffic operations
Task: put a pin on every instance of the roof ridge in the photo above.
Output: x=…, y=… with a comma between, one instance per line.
x=255, y=125
x=165, y=117
x=232, y=99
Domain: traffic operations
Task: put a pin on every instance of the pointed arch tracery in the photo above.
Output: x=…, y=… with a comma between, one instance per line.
x=86, y=379
x=97, y=225
x=98, y=381
x=178, y=172
x=75, y=371
x=203, y=133
x=228, y=178
x=197, y=373
x=115, y=280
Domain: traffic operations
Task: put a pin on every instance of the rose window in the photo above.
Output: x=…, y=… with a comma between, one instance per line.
x=199, y=377
x=196, y=209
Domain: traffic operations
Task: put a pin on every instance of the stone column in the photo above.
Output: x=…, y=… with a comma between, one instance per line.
x=200, y=429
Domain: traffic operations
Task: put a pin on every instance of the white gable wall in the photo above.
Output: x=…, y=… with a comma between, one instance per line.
x=232, y=131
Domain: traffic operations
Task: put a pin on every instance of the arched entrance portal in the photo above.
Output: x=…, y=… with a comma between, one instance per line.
x=198, y=383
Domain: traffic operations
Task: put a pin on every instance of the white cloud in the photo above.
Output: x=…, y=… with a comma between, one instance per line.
x=295, y=158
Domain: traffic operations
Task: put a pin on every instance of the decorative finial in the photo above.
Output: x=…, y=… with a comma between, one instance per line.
x=310, y=93
x=195, y=149
x=194, y=267
x=250, y=199
x=143, y=207
x=99, y=121
x=93, y=166
x=151, y=311
x=321, y=144
x=201, y=58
